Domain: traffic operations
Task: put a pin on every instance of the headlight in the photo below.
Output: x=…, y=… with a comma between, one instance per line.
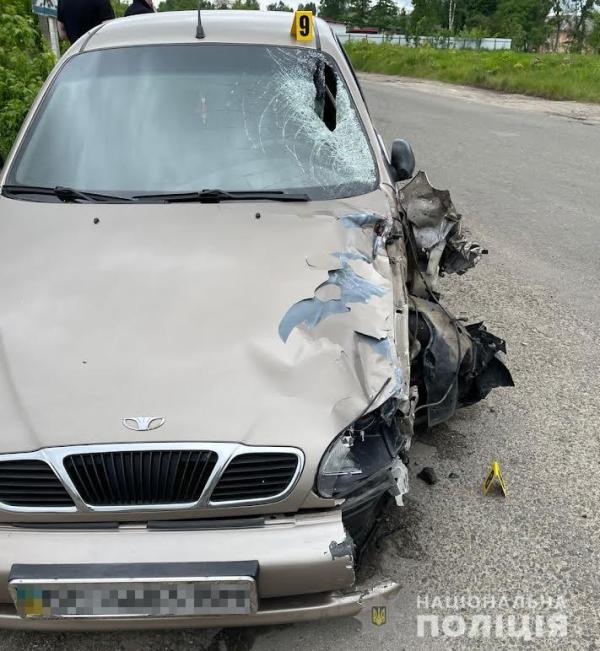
x=361, y=450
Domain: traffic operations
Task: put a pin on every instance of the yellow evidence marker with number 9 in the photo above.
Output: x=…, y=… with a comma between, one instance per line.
x=302, y=26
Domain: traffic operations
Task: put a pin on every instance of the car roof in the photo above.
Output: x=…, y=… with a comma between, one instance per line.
x=226, y=26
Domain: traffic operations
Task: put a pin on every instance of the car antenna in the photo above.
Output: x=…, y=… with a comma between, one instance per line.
x=199, y=29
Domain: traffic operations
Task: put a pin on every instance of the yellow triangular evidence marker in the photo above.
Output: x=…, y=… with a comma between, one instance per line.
x=302, y=26
x=494, y=475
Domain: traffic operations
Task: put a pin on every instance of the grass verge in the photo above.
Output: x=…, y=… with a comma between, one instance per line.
x=553, y=76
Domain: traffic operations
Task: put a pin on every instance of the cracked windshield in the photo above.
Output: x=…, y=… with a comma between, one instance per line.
x=180, y=118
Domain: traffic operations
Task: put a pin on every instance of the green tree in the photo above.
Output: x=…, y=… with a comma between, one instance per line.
x=583, y=15
x=279, y=6
x=184, y=5
x=308, y=6
x=25, y=62
x=119, y=8
x=334, y=9
x=357, y=12
x=555, y=24
x=525, y=21
x=593, y=39
x=402, y=22
x=475, y=14
x=248, y=5
x=428, y=17
x=384, y=15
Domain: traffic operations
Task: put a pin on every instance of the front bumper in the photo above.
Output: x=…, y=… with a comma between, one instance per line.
x=285, y=610
x=305, y=564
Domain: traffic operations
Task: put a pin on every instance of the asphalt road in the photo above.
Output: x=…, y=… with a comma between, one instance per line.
x=528, y=182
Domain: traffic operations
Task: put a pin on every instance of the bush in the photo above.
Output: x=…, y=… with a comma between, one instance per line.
x=24, y=65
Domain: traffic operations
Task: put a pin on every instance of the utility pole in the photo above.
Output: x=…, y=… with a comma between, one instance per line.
x=54, y=40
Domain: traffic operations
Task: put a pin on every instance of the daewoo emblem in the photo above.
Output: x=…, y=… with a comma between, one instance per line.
x=143, y=423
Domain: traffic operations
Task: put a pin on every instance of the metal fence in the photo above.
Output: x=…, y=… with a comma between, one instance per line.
x=442, y=42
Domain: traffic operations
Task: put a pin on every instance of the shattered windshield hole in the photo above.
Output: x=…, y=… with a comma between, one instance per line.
x=325, y=100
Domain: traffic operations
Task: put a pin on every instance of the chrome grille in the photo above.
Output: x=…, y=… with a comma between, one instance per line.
x=255, y=476
x=31, y=483
x=129, y=477
x=140, y=477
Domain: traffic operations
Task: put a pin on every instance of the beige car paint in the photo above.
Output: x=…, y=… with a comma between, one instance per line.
x=108, y=320
x=305, y=568
x=115, y=310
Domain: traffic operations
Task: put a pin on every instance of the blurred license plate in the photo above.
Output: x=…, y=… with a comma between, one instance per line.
x=108, y=597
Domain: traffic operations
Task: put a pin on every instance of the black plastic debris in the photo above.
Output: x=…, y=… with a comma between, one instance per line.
x=459, y=364
x=428, y=476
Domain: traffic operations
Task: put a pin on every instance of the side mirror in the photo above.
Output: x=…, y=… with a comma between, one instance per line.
x=402, y=159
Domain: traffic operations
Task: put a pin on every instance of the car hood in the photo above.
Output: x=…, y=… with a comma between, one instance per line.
x=270, y=328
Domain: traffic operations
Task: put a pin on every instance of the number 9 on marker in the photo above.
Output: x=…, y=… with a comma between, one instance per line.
x=302, y=27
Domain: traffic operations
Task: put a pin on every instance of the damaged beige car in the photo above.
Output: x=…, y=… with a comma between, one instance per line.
x=220, y=325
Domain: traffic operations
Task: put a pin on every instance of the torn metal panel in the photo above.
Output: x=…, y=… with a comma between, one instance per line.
x=355, y=307
x=362, y=322
x=372, y=374
x=325, y=261
x=398, y=268
x=360, y=220
x=443, y=244
x=382, y=227
x=460, y=253
x=351, y=288
x=451, y=364
x=328, y=292
x=430, y=211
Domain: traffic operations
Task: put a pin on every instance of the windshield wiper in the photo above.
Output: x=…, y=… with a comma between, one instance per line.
x=216, y=196
x=64, y=194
